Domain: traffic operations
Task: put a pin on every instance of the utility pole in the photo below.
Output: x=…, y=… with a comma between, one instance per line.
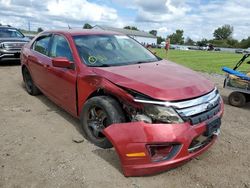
x=28, y=25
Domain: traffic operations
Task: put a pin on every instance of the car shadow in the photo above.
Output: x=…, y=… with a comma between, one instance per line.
x=52, y=107
x=110, y=156
x=10, y=63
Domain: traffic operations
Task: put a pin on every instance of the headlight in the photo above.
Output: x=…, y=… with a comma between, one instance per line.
x=1, y=45
x=162, y=113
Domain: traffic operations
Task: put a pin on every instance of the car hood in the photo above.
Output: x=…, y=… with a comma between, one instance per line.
x=14, y=39
x=161, y=80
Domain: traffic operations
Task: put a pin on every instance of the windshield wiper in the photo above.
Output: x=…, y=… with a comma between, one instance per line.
x=100, y=65
x=140, y=62
x=104, y=65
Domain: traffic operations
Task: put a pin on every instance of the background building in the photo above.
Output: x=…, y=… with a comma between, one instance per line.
x=141, y=36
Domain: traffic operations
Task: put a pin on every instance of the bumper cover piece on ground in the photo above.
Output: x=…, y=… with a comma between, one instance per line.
x=134, y=137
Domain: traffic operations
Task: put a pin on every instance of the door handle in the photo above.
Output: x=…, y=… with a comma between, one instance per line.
x=32, y=58
x=46, y=66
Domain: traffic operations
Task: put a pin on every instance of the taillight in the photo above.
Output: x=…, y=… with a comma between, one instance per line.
x=162, y=152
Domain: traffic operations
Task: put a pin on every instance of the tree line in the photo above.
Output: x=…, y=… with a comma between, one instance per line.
x=223, y=37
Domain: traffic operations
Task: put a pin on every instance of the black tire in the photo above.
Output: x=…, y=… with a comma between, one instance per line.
x=237, y=99
x=29, y=84
x=97, y=114
x=248, y=97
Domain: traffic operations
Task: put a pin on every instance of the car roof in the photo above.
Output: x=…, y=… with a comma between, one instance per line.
x=6, y=27
x=75, y=32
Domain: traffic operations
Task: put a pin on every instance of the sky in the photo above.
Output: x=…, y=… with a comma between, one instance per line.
x=198, y=18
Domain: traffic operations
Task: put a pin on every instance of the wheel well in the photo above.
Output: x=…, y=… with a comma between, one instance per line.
x=98, y=92
x=102, y=92
x=23, y=68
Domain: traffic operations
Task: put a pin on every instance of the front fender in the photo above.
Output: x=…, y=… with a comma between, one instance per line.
x=88, y=85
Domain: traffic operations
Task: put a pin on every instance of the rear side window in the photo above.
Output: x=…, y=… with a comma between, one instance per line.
x=41, y=45
x=60, y=48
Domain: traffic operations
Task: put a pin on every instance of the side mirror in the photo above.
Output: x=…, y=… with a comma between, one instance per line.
x=248, y=62
x=62, y=62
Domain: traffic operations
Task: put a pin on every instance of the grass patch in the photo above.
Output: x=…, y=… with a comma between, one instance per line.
x=204, y=61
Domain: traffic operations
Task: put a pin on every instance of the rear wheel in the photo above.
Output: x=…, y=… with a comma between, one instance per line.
x=29, y=84
x=237, y=99
x=98, y=113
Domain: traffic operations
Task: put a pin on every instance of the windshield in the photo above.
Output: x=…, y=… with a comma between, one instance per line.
x=10, y=33
x=111, y=50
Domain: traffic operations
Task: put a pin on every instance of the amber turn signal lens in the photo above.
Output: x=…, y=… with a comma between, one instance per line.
x=141, y=154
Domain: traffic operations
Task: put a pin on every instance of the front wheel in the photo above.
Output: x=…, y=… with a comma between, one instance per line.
x=98, y=113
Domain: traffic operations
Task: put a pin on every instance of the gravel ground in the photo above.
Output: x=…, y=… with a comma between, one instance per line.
x=37, y=147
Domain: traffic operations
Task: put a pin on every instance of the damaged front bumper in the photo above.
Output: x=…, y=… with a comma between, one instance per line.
x=146, y=149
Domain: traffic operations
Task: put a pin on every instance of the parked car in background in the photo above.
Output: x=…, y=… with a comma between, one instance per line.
x=205, y=48
x=210, y=47
x=151, y=46
x=30, y=36
x=247, y=50
x=239, y=51
x=217, y=49
x=11, y=42
x=163, y=44
x=181, y=47
x=172, y=47
x=156, y=114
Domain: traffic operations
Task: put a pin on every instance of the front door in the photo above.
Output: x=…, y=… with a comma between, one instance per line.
x=62, y=81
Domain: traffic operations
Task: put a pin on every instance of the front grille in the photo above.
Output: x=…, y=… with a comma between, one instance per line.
x=13, y=46
x=201, y=111
x=199, y=118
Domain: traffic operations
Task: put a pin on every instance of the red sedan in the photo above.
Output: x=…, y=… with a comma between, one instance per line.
x=156, y=114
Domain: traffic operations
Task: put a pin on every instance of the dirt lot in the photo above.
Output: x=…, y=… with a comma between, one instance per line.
x=37, y=148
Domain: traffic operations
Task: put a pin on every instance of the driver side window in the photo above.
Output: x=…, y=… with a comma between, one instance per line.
x=60, y=48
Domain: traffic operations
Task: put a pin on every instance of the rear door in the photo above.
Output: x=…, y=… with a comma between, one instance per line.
x=38, y=61
x=62, y=81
